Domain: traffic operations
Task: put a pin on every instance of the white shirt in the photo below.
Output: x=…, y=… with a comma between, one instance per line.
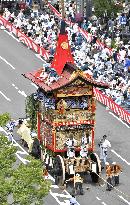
x=106, y=144
x=73, y=201
x=122, y=54
x=128, y=52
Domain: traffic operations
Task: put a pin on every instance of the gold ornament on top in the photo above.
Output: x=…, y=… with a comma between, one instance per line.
x=64, y=45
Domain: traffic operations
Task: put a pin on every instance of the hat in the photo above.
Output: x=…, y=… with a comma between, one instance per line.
x=104, y=136
x=107, y=163
x=113, y=163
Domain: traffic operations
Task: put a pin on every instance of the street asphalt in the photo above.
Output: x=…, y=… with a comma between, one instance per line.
x=15, y=59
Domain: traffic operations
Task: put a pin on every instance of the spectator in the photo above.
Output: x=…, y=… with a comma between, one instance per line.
x=104, y=145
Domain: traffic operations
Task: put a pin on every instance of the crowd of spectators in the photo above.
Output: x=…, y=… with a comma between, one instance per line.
x=114, y=71
x=42, y=26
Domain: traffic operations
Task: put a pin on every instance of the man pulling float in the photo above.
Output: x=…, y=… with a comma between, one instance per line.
x=116, y=170
x=78, y=181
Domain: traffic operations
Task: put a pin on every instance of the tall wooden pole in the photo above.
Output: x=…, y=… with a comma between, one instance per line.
x=63, y=9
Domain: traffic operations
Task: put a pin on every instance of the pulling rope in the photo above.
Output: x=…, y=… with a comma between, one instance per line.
x=126, y=195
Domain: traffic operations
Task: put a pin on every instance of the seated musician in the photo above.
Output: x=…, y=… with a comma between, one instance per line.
x=70, y=143
x=84, y=146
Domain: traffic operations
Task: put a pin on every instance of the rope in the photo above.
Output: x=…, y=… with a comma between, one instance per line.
x=126, y=195
x=115, y=196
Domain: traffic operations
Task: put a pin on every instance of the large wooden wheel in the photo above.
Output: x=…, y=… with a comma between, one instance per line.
x=95, y=176
x=59, y=170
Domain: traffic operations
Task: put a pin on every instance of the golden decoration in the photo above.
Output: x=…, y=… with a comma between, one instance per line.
x=64, y=45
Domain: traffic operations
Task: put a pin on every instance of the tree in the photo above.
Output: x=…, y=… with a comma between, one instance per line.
x=7, y=159
x=28, y=184
x=32, y=106
x=24, y=182
x=4, y=118
x=102, y=6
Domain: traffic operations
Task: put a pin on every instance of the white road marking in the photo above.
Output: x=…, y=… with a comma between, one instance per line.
x=3, y=59
x=8, y=99
x=25, y=161
x=19, y=91
x=124, y=199
x=58, y=196
x=98, y=198
x=34, y=85
x=103, y=203
x=10, y=34
x=54, y=186
x=62, y=195
x=118, y=118
x=14, y=143
x=15, y=86
x=22, y=93
x=38, y=56
x=124, y=160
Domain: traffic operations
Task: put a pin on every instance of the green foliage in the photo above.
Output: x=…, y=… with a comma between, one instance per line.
x=25, y=182
x=113, y=44
x=4, y=118
x=7, y=158
x=32, y=107
x=34, y=188
x=105, y=5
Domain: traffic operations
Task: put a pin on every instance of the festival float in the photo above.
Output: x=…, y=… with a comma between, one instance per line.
x=66, y=115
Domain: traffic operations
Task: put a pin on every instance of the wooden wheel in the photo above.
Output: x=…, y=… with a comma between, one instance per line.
x=95, y=176
x=59, y=170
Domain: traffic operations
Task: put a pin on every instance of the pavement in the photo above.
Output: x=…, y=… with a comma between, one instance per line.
x=16, y=59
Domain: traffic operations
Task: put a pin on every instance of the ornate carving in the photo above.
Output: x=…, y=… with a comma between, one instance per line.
x=64, y=45
x=75, y=91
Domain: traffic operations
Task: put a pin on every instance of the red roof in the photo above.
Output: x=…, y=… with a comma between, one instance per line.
x=69, y=75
